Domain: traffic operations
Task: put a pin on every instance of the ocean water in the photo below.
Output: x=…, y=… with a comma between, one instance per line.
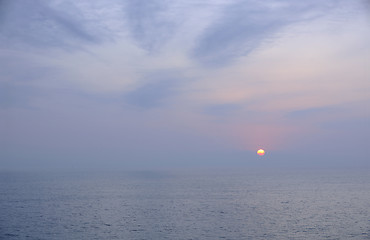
x=243, y=204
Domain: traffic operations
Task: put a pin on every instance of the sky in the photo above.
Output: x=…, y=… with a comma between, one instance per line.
x=130, y=84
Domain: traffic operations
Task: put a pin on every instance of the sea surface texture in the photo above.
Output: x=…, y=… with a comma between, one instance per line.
x=313, y=204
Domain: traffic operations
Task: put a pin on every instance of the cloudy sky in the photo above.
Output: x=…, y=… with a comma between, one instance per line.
x=122, y=84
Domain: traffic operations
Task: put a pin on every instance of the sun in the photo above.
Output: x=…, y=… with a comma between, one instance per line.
x=261, y=152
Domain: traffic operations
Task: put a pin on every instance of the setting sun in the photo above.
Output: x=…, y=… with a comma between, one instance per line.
x=261, y=152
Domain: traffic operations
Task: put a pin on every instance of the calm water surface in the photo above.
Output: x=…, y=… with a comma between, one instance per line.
x=186, y=205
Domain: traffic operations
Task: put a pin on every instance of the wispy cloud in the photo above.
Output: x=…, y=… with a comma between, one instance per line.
x=245, y=25
x=67, y=24
x=149, y=22
x=155, y=90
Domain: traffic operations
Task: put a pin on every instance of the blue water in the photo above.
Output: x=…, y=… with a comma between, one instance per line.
x=186, y=205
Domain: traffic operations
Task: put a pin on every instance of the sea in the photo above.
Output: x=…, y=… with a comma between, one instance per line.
x=186, y=204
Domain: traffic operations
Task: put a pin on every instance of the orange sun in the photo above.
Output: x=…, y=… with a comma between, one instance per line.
x=261, y=152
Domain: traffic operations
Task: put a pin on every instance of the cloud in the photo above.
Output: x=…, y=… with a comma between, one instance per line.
x=13, y=96
x=148, y=22
x=244, y=26
x=153, y=93
x=66, y=24
x=35, y=23
x=222, y=109
x=311, y=112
